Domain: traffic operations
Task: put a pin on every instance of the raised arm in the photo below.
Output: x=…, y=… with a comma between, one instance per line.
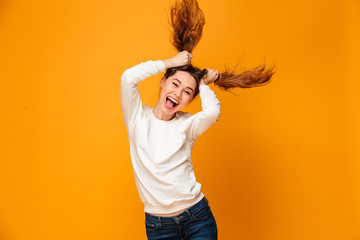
x=130, y=98
x=209, y=103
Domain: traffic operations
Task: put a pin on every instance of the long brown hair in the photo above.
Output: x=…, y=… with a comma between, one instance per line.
x=187, y=21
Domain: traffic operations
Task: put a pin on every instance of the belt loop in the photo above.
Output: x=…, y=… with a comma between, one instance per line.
x=159, y=218
x=190, y=215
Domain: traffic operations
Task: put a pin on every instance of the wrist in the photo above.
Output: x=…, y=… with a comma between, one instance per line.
x=168, y=63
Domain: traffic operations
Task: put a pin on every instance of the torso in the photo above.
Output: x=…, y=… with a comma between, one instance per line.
x=162, y=155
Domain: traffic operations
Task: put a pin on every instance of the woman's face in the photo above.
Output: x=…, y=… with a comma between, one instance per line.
x=177, y=91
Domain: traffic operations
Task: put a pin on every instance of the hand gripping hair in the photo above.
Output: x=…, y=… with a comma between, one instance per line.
x=187, y=21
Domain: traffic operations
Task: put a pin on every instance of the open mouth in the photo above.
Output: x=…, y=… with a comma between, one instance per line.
x=171, y=103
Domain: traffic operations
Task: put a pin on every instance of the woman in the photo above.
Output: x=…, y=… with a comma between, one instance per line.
x=161, y=140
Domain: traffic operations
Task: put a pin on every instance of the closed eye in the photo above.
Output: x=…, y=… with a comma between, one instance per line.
x=187, y=92
x=175, y=84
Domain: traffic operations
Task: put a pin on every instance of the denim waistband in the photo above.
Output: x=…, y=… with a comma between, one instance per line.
x=183, y=215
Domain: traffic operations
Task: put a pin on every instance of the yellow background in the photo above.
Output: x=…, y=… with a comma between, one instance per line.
x=282, y=163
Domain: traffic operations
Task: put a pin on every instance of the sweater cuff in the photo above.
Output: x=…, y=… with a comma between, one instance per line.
x=204, y=87
x=160, y=65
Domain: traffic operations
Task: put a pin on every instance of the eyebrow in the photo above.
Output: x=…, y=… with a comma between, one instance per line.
x=181, y=83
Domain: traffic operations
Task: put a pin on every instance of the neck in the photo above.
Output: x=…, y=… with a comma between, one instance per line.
x=161, y=115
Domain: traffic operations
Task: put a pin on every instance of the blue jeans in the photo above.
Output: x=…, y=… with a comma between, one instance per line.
x=196, y=222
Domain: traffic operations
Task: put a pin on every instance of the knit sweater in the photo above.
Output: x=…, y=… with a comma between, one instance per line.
x=161, y=150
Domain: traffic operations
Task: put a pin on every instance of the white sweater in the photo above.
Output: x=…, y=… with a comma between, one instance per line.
x=161, y=150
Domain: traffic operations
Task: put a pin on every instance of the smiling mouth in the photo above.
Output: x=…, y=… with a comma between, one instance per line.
x=171, y=103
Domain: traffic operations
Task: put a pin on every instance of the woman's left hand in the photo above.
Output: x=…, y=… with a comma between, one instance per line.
x=210, y=76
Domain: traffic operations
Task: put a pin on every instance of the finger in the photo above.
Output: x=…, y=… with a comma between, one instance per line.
x=189, y=56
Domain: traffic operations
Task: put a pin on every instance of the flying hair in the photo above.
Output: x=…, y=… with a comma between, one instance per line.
x=187, y=21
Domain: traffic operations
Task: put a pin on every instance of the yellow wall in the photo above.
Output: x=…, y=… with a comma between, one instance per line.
x=282, y=162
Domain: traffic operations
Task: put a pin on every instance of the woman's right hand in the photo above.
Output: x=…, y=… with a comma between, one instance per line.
x=180, y=59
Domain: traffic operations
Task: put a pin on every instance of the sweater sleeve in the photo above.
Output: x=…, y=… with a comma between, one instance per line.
x=130, y=98
x=210, y=112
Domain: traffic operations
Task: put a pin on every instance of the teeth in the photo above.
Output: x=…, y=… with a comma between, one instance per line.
x=173, y=100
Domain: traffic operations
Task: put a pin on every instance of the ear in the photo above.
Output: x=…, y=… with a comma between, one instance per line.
x=162, y=82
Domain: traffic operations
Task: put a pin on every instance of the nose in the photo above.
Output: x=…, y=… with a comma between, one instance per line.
x=178, y=93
